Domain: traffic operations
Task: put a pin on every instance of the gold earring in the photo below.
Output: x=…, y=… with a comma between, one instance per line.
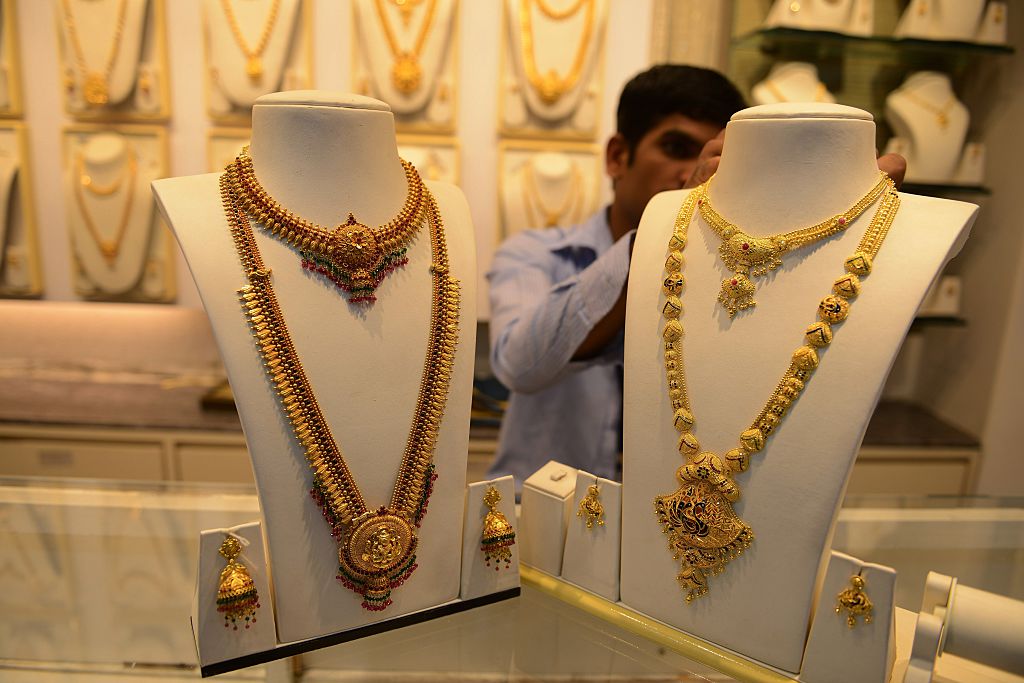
x=590, y=507
x=237, y=598
x=499, y=536
x=855, y=601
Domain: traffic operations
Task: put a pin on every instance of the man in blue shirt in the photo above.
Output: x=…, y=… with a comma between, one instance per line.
x=558, y=296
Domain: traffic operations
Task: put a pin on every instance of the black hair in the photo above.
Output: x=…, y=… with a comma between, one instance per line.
x=665, y=89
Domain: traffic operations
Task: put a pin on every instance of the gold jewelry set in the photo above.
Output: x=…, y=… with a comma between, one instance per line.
x=110, y=249
x=406, y=72
x=96, y=82
x=549, y=85
x=540, y=214
x=253, y=55
x=704, y=532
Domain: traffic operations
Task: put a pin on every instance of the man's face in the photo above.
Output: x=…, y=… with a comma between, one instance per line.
x=663, y=160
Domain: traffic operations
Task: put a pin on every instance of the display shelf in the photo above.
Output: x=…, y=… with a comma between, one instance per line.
x=925, y=321
x=944, y=189
x=770, y=40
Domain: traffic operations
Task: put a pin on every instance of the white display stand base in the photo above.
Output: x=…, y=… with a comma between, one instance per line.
x=591, y=556
x=546, y=502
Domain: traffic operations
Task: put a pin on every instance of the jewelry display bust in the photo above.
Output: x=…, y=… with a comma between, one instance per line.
x=791, y=82
x=323, y=155
x=543, y=189
x=941, y=19
x=925, y=113
x=853, y=17
x=784, y=166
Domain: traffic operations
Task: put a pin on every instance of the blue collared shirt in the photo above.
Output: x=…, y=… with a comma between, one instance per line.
x=548, y=289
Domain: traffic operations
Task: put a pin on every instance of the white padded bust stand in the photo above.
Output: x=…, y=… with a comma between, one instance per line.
x=933, y=151
x=853, y=17
x=323, y=154
x=560, y=180
x=784, y=166
x=791, y=82
x=941, y=19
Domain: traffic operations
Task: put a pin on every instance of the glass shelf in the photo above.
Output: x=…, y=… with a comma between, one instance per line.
x=944, y=189
x=771, y=39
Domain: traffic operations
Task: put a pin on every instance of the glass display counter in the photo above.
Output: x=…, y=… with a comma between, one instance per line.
x=96, y=579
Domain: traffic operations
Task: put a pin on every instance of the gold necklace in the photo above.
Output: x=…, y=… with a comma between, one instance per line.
x=558, y=15
x=109, y=249
x=253, y=56
x=405, y=8
x=89, y=183
x=406, y=72
x=550, y=86
x=819, y=92
x=533, y=203
x=96, y=88
x=355, y=257
x=376, y=546
x=941, y=113
x=704, y=531
x=750, y=256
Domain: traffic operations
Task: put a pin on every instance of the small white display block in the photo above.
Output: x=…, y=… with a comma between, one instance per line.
x=546, y=505
x=591, y=557
x=837, y=653
x=477, y=578
x=214, y=642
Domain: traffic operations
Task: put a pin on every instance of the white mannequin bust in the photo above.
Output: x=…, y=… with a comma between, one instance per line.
x=322, y=155
x=925, y=113
x=854, y=17
x=791, y=82
x=940, y=19
x=784, y=166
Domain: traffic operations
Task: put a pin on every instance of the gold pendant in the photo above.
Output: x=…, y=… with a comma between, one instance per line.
x=406, y=73
x=353, y=248
x=855, y=601
x=759, y=255
x=96, y=91
x=550, y=87
x=237, y=598
x=254, y=68
x=704, y=532
x=737, y=293
x=377, y=554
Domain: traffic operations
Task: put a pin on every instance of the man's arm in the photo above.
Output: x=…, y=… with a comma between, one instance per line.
x=539, y=327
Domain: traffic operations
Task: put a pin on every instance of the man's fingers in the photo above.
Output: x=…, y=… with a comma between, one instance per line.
x=895, y=166
x=704, y=170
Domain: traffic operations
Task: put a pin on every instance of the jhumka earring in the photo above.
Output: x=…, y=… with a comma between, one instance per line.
x=237, y=598
x=855, y=601
x=499, y=536
x=591, y=509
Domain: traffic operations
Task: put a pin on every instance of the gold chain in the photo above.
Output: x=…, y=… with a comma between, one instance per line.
x=558, y=15
x=704, y=532
x=534, y=204
x=96, y=88
x=109, y=249
x=405, y=8
x=819, y=92
x=550, y=86
x=941, y=113
x=354, y=256
x=376, y=546
x=89, y=183
x=406, y=72
x=749, y=256
x=253, y=56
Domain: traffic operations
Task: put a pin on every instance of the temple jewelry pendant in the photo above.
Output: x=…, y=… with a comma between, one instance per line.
x=498, y=536
x=376, y=555
x=704, y=533
x=737, y=293
x=96, y=90
x=254, y=68
x=855, y=601
x=748, y=257
x=406, y=73
x=237, y=598
x=591, y=509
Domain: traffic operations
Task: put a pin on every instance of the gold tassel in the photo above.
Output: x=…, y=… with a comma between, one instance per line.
x=237, y=598
x=499, y=536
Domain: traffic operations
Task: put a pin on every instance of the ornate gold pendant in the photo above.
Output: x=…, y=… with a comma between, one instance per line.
x=737, y=293
x=855, y=602
x=550, y=87
x=704, y=533
x=591, y=509
x=377, y=554
x=96, y=90
x=254, y=68
x=406, y=73
x=748, y=257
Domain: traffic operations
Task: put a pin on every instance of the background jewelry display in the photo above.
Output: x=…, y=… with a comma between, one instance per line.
x=791, y=82
x=436, y=158
x=404, y=52
x=552, y=59
x=10, y=66
x=542, y=184
x=223, y=145
x=962, y=20
x=853, y=17
x=20, y=271
x=110, y=206
x=114, y=58
x=254, y=47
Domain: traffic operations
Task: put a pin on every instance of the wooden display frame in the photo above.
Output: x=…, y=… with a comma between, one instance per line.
x=166, y=245
x=12, y=58
x=28, y=212
x=155, y=29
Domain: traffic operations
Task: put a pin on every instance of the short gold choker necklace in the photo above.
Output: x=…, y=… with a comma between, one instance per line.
x=704, y=532
x=355, y=257
x=376, y=546
x=750, y=257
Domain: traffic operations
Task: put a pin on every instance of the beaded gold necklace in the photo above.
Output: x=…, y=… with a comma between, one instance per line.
x=749, y=256
x=355, y=257
x=376, y=546
x=703, y=530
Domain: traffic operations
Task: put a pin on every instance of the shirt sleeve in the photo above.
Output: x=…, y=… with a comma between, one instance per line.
x=537, y=324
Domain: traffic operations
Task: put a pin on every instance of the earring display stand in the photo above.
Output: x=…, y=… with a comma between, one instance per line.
x=544, y=517
x=405, y=54
x=114, y=59
x=591, y=556
x=551, y=71
x=479, y=579
x=20, y=270
x=121, y=250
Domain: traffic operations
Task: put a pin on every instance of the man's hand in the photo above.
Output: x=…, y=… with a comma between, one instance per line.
x=707, y=161
x=895, y=166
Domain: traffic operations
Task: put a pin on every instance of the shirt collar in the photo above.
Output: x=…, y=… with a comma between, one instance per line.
x=594, y=235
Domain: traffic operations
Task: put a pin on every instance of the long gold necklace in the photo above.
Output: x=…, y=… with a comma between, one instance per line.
x=534, y=203
x=110, y=249
x=376, y=546
x=750, y=257
x=355, y=257
x=406, y=72
x=96, y=88
x=704, y=532
x=253, y=55
x=550, y=86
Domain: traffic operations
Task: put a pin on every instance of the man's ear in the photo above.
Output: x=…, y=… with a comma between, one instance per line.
x=616, y=156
